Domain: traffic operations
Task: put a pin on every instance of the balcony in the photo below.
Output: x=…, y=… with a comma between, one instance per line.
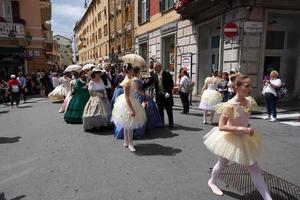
x=11, y=28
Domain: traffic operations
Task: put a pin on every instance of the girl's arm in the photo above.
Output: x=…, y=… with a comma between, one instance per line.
x=137, y=88
x=128, y=102
x=223, y=126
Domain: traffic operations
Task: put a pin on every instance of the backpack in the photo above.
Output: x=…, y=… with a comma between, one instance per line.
x=190, y=86
x=281, y=91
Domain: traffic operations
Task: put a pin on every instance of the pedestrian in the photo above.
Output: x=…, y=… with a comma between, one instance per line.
x=233, y=140
x=14, y=90
x=269, y=92
x=223, y=86
x=43, y=84
x=163, y=84
x=184, y=91
x=232, y=73
x=3, y=91
x=29, y=84
x=74, y=112
x=97, y=111
x=128, y=113
x=210, y=96
x=22, y=81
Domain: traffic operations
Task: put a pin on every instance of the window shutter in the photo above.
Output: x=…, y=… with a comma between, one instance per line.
x=15, y=10
x=162, y=5
x=139, y=12
x=147, y=10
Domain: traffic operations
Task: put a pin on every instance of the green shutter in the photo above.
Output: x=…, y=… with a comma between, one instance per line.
x=147, y=10
x=162, y=5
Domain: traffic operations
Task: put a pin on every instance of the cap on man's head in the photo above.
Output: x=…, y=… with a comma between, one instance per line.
x=12, y=76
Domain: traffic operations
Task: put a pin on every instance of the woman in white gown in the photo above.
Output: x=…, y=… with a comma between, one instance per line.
x=210, y=96
x=60, y=92
x=97, y=111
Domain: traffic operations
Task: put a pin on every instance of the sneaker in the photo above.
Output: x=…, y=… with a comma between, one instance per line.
x=131, y=148
x=273, y=119
x=266, y=117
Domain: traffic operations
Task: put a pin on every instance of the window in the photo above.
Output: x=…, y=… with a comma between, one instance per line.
x=165, y=5
x=215, y=42
x=99, y=33
x=5, y=10
x=15, y=10
x=105, y=13
x=143, y=14
x=99, y=16
x=105, y=30
x=275, y=40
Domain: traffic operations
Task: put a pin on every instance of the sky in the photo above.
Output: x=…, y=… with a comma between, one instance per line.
x=65, y=13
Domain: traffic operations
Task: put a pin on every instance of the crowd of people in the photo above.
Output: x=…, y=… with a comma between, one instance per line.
x=124, y=101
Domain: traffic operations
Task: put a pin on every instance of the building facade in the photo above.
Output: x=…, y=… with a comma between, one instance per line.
x=64, y=50
x=25, y=32
x=92, y=34
x=121, y=28
x=156, y=25
x=267, y=37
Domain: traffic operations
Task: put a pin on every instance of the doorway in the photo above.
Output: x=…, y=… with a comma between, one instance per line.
x=271, y=63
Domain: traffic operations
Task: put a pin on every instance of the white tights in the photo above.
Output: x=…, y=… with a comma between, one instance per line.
x=205, y=113
x=255, y=174
x=128, y=135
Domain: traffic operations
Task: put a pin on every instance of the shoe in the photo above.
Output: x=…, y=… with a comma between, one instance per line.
x=131, y=148
x=266, y=117
x=214, y=188
x=273, y=119
x=204, y=122
x=125, y=145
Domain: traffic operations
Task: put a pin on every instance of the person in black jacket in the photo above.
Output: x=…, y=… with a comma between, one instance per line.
x=109, y=80
x=163, y=83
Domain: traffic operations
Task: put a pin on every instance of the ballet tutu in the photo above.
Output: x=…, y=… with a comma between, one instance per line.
x=121, y=114
x=209, y=99
x=237, y=147
x=58, y=94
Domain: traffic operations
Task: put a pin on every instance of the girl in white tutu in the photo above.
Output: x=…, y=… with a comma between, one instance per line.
x=128, y=113
x=210, y=96
x=234, y=140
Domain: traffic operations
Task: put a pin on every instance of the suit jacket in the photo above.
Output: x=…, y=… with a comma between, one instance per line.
x=105, y=79
x=168, y=85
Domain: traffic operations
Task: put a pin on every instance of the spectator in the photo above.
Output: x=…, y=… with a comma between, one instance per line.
x=184, y=92
x=269, y=92
x=223, y=86
x=14, y=88
x=22, y=82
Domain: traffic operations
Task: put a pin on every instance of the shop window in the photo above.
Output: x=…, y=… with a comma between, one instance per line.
x=275, y=40
x=215, y=42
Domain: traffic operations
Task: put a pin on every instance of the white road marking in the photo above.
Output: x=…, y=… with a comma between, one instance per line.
x=23, y=162
x=18, y=175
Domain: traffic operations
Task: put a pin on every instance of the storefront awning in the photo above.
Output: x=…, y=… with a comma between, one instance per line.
x=11, y=50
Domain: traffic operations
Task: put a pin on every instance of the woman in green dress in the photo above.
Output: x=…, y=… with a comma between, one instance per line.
x=80, y=97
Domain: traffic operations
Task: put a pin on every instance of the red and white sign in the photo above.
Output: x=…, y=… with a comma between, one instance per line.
x=230, y=30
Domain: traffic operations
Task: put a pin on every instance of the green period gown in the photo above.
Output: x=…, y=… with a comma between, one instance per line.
x=77, y=103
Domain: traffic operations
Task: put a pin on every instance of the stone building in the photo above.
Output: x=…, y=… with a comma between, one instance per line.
x=267, y=38
x=92, y=34
x=64, y=50
x=25, y=36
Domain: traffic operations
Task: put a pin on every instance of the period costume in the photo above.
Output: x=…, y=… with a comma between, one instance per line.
x=237, y=147
x=121, y=116
x=210, y=96
x=61, y=91
x=77, y=103
x=97, y=111
x=109, y=82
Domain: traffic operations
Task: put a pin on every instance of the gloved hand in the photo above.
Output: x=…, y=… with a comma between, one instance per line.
x=167, y=95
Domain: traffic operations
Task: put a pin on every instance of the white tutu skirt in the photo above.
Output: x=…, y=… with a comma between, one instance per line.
x=58, y=94
x=121, y=114
x=236, y=147
x=209, y=99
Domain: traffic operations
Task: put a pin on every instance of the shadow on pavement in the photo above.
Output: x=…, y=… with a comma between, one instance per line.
x=155, y=150
x=101, y=131
x=4, y=111
x=158, y=133
x=2, y=197
x=25, y=106
x=185, y=128
x=5, y=140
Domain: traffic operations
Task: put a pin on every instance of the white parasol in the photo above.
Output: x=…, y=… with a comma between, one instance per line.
x=88, y=66
x=134, y=59
x=73, y=68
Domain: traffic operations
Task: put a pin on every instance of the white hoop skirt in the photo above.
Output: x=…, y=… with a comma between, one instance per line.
x=209, y=99
x=58, y=94
x=121, y=114
x=237, y=147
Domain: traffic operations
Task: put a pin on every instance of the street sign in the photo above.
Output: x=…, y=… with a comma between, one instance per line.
x=253, y=27
x=230, y=29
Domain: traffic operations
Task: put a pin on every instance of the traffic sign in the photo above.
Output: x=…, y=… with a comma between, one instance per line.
x=230, y=30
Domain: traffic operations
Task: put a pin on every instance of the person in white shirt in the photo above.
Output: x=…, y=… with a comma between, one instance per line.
x=109, y=80
x=269, y=92
x=183, y=91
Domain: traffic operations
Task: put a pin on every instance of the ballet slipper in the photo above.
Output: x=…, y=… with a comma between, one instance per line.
x=131, y=148
x=214, y=188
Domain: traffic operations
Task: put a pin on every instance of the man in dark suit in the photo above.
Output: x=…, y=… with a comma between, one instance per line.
x=163, y=83
x=109, y=80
